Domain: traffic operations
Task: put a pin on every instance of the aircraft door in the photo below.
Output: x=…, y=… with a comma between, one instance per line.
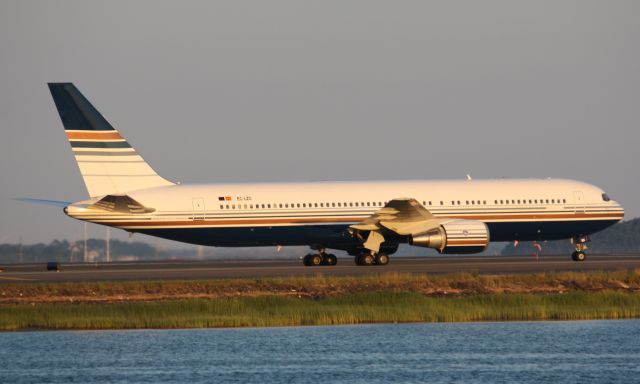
x=578, y=201
x=198, y=208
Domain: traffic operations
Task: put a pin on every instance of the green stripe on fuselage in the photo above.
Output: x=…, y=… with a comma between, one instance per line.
x=107, y=153
x=100, y=144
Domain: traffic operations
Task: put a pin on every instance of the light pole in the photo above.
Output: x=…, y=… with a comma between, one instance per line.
x=85, y=253
x=108, y=247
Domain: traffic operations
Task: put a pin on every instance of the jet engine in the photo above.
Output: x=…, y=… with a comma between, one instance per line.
x=454, y=236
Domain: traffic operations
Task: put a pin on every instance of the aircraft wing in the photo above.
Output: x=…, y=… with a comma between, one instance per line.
x=404, y=217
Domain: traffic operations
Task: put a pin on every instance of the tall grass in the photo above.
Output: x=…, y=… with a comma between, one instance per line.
x=368, y=307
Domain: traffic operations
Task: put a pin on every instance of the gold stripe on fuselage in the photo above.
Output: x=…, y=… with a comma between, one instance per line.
x=338, y=220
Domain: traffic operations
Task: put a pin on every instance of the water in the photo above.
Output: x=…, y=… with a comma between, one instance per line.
x=530, y=352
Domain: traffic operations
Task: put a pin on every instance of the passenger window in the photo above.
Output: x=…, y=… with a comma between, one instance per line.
x=441, y=202
x=222, y=207
x=429, y=202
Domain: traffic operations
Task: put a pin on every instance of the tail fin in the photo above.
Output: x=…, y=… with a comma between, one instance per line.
x=108, y=164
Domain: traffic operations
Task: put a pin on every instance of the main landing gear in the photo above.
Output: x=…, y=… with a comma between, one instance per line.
x=580, y=244
x=368, y=259
x=320, y=258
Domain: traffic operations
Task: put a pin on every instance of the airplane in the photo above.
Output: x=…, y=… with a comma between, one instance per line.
x=367, y=219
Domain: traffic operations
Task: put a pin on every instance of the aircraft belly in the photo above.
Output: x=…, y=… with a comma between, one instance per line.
x=257, y=236
x=544, y=230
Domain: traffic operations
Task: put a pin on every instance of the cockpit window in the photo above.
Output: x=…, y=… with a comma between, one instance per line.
x=605, y=197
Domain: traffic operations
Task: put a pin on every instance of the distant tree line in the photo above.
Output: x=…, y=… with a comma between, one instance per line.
x=65, y=251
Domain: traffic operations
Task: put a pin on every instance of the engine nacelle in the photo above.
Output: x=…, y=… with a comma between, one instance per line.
x=455, y=236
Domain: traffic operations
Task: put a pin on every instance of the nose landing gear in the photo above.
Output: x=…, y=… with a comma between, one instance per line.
x=578, y=256
x=580, y=244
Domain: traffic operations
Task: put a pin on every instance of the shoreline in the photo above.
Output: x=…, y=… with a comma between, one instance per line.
x=320, y=300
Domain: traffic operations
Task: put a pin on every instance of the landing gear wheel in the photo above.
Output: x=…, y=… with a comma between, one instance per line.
x=306, y=260
x=382, y=259
x=330, y=259
x=578, y=256
x=365, y=260
x=315, y=260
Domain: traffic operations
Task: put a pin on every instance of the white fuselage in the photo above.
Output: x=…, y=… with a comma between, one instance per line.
x=289, y=213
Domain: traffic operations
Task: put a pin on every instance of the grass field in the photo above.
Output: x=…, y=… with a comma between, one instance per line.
x=379, y=307
x=320, y=301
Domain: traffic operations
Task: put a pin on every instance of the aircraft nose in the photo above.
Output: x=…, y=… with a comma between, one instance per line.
x=66, y=210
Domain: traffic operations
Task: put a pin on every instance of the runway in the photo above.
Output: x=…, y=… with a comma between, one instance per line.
x=199, y=270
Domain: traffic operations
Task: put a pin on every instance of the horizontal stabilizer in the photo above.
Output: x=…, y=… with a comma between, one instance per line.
x=53, y=203
x=121, y=204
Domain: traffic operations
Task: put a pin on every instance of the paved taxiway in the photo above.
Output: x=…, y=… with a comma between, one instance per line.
x=192, y=270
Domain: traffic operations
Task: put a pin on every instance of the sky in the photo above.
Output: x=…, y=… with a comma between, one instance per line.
x=241, y=91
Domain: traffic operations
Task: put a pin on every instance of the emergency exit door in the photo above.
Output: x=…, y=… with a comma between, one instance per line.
x=578, y=201
x=198, y=208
